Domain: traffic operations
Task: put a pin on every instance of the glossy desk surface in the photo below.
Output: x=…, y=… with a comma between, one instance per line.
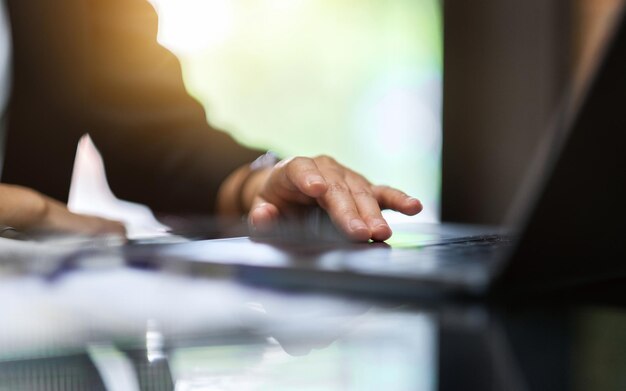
x=122, y=328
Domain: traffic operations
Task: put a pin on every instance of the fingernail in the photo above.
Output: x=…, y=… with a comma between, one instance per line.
x=356, y=225
x=414, y=201
x=413, y=206
x=315, y=180
x=380, y=223
x=260, y=220
x=251, y=222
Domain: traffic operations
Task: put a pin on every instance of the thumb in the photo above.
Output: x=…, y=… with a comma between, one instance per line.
x=263, y=215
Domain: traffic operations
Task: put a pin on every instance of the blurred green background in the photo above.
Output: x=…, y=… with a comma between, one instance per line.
x=359, y=80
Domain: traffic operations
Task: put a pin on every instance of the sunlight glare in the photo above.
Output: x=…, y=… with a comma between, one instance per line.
x=187, y=26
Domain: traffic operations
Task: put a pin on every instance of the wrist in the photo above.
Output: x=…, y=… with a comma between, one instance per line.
x=250, y=187
x=258, y=172
x=237, y=192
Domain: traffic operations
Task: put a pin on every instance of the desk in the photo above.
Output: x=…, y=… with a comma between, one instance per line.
x=119, y=328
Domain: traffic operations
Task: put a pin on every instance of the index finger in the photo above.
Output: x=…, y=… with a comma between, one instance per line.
x=340, y=205
x=304, y=174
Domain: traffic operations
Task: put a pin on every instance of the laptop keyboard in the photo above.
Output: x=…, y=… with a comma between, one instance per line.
x=472, y=245
x=459, y=256
x=483, y=249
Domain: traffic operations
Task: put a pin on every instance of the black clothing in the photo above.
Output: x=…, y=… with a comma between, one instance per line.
x=94, y=66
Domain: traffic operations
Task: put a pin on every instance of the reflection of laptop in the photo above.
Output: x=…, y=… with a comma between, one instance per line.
x=570, y=231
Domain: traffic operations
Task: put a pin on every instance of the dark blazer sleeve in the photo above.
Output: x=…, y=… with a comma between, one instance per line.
x=154, y=138
x=94, y=66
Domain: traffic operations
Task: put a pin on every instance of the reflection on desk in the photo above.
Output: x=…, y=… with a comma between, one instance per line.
x=128, y=329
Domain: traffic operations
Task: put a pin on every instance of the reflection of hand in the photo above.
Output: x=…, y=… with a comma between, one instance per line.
x=314, y=326
x=29, y=211
x=352, y=202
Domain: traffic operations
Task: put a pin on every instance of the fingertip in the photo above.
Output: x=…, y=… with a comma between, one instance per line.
x=261, y=217
x=379, y=229
x=315, y=186
x=358, y=230
x=412, y=206
x=381, y=233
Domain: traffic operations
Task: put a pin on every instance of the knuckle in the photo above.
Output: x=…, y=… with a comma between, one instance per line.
x=337, y=188
x=362, y=193
x=360, y=179
x=325, y=159
x=299, y=160
x=293, y=165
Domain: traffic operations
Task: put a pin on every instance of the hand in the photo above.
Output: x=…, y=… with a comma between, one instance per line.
x=29, y=211
x=352, y=202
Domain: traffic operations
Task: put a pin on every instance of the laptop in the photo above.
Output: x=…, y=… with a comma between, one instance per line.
x=568, y=230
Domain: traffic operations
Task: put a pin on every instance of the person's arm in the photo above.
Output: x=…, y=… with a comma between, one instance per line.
x=157, y=145
x=292, y=185
x=159, y=149
x=31, y=212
